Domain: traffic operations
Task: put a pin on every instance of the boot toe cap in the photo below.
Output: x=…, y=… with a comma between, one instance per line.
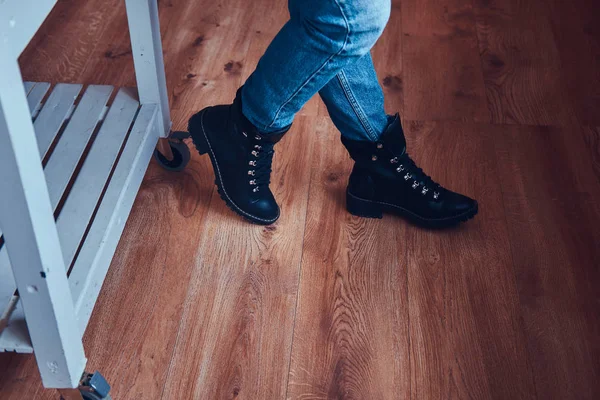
x=459, y=204
x=264, y=211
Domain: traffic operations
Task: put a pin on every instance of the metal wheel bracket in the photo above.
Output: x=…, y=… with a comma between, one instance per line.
x=97, y=383
x=164, y=147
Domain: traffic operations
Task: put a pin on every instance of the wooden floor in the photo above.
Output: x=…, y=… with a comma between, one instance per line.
x=500, y=100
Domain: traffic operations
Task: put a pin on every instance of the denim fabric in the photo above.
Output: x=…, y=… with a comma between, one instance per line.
x=323, y=48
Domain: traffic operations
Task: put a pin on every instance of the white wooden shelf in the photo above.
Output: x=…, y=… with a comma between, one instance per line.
x=72, y=159
x=98, y=143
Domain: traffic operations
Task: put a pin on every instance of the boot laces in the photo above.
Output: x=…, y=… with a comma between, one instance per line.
x=412, y=173
x=261, y=160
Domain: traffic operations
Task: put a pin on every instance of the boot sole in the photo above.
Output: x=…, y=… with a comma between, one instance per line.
x=375, y=209
x=203, y=146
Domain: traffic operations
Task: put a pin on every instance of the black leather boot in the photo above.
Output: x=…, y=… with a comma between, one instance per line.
x=241, y=157
x=386, y=179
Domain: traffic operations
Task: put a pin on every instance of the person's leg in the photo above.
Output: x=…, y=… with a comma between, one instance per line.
x=384, y=177
x=355, y=101
x=321, y=38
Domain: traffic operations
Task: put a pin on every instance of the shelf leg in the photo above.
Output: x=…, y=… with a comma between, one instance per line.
x=70, y=394
x=30, y=235
x=146, y=45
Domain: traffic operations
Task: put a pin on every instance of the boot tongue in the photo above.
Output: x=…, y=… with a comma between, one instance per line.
x=393, y=137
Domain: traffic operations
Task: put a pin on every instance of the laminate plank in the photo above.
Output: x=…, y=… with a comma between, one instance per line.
x=503, y=307
x=20, y=378
x=466, y=334
x=577, y=36
x=236, y=329
x=112, y=63
x=351, y=333
x=209, y=60
x=592, y=142
x=388, y=59
x=64, y=42
x=443, y=78
x=553, y=229
x=521, y=63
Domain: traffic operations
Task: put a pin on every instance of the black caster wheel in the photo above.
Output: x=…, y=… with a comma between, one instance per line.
x=93, y=396
x=181, y=156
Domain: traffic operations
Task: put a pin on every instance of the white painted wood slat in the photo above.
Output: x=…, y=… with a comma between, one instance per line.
x=52, y=116
x=28, y=86
x=54, y=113
x=35, y=97
x=89, y=184
x=94, y=259
x=74, y=140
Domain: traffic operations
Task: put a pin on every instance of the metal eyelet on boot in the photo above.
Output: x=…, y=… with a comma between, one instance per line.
x=400, y=168
x=253, y=163
x=251, y=172
x=255, y=189
x=415, y=185
x=436, y=195
x=407, y=176
x=424, y=191
x=255, y=153
x=380, y=146
x=253, y=182
x=257, y=147
x=257, y=137
x=394, y=160
x=374, y=157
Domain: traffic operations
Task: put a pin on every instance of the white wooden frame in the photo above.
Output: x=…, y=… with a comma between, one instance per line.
x=56, y=307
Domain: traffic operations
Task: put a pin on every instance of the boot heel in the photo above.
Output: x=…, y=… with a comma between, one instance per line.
x=197, y=134
x=362, y=208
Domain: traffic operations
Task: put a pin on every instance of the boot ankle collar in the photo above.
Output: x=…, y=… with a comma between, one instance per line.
x=246, y=128
x=391, y=142
x=393, y=138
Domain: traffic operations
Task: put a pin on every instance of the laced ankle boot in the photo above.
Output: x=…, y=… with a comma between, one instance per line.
x=386, y=180
x=241, y=157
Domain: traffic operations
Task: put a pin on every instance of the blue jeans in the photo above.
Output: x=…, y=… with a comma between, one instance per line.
x=323, y=48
